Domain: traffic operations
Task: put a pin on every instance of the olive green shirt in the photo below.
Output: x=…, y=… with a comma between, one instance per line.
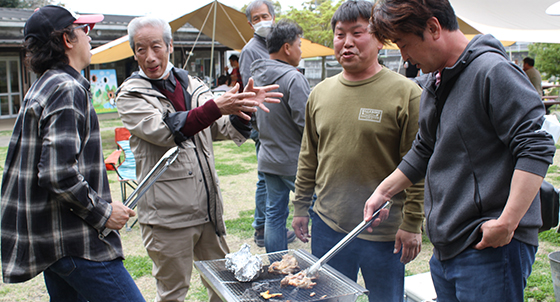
x=356, y=133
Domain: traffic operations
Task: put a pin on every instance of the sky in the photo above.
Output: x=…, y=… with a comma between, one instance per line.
x=167, y=9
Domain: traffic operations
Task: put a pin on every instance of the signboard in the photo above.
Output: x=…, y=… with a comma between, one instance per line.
x=103, y=89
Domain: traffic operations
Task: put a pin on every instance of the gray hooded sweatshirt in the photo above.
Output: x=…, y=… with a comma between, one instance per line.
x=281, y=129
x=490, y=126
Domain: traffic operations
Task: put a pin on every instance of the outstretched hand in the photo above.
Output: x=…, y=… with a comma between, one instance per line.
x=238, y=103
x=234, y=103
x=263, y=94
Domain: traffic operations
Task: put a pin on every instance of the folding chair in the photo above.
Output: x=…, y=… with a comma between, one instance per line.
x=126, y=170
x=160, y=167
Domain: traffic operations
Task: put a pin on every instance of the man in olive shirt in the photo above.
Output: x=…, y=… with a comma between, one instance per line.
x=358, y=126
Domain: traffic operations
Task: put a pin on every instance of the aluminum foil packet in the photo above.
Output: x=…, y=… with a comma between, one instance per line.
x=245, y=266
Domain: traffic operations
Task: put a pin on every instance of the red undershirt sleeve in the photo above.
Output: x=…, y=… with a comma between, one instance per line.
x=201, y=117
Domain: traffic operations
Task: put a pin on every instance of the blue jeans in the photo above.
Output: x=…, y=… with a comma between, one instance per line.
x=260, y=194
x=75, y=279
x=382, y=270
x=488, y=275
x=278, y=189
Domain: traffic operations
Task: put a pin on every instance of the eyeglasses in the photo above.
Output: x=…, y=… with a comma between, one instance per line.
x=84, y=27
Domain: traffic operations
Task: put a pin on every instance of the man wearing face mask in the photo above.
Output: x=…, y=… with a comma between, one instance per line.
x=260, y=16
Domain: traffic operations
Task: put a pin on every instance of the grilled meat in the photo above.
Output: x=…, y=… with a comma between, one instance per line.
x=298, y=280
x=288, y=265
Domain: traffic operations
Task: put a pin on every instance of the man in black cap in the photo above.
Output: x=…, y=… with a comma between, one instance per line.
x=56, y=200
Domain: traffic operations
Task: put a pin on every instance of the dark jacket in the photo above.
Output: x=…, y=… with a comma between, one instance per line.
x=490, y=126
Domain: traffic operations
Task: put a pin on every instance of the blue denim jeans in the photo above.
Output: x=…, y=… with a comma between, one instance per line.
x=260, y=203
x=260, y=194
x=73, y=279
x=278, y=189
x=492, y=274
x=382, y=270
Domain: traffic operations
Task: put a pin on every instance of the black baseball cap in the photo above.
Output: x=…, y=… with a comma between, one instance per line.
x=49, y=18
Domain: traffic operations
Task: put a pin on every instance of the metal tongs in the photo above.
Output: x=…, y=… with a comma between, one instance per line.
x=161, y=166
x=312, y=270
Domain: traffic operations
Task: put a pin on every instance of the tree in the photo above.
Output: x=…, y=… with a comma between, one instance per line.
x=547, y=58
x=315, y=20
x=31, y=4
x=9, y=3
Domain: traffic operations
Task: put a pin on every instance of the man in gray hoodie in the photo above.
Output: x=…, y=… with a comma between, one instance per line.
x=280, y=131
x=480, y=148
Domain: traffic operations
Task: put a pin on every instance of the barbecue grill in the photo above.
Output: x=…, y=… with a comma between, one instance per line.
x=331, y=285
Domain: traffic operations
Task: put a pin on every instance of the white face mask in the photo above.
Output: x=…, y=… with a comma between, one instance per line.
x=263, y=28
x=167, y=70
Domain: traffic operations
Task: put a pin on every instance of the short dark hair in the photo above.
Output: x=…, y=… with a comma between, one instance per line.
x=41, y=56
x=222, y=79
x=529, y=61
x=390, y=18
x=350, y=11
x=234, y=58
x=256, y=4
x=285, y=31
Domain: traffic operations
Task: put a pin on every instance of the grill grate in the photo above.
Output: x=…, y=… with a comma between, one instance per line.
x=331, y=285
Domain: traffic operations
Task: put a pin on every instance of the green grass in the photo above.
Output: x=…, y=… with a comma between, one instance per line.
x=550, y=236
x=539, y=285
x=224, y=168
x=110, y=123
x=3, y=153
x=251, y=159
x=233, y=148
x=138, y=266
x=197, y=294
x=233, y=160
x=241, y=226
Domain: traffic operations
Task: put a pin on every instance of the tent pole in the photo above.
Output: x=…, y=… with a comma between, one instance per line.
x=213, y=39
x=195, y=41
x=323, y=67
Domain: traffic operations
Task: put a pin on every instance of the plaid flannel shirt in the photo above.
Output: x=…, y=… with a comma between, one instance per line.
x=55, y=192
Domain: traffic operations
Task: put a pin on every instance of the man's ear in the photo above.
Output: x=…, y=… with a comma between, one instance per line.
x=287, y=48
x=250, y=24
x=170, y=46
x=66, y=41
x=433, y=28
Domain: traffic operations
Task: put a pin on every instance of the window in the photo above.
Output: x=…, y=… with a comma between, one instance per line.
x=10, y=86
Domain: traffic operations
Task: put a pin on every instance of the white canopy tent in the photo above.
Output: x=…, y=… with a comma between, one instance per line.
x=511, y=20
